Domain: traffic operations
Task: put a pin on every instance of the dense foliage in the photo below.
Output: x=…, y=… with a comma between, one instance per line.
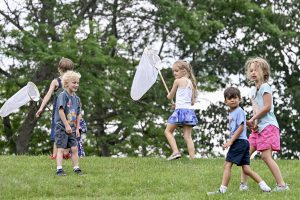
x=106, y=38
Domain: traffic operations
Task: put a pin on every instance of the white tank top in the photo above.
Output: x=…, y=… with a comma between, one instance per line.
x=184, y=96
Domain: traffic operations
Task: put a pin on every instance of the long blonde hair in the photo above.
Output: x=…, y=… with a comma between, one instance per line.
x=182, y=64
x=261, y=65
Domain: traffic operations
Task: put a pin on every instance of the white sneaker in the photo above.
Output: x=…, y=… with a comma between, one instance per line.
x=216, y=192
x=174, y=156
x=265, y=188
x=244, y=187
x=280, y=188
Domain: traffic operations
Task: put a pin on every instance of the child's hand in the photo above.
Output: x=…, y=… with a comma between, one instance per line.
x=250, y=124
x=38, y=113
x=68, y=129
x=173, y=105
x=255, y=128
x=228, y=144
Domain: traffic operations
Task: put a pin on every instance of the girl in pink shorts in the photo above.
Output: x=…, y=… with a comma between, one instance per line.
x=269, y=138
x=265, y=136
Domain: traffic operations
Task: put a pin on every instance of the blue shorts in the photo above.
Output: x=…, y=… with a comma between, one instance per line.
x=239, y=153
x=64, y=140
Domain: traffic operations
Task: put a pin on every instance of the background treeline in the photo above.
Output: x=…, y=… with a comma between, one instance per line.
x=105, y=38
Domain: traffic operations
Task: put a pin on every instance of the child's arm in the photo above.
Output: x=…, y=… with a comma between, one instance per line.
x=173, y=90
x=235, y=136
x=265, y=109
x=47, y=97
x=64, y=120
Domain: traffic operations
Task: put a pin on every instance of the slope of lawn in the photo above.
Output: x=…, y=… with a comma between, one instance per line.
x=33, y=177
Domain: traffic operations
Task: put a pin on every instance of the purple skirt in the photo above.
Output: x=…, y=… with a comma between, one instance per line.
x=183, y=117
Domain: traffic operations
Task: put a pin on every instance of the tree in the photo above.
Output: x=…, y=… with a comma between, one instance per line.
x=106, y=38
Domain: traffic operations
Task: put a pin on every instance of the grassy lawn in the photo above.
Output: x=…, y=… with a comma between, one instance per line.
x=33, y=177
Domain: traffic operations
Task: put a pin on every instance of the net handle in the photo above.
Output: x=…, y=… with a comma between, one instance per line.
x=154, y=55
x=40, y=100
x=163, y=80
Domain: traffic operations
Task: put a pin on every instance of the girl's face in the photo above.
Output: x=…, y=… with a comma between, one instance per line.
x=253, y=73
x=73, y=85
x=178, y=73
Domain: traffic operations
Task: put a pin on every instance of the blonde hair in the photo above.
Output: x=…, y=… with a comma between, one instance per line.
x=69, y=76
x=184, y=65
x=65, y=64
x=262, y=67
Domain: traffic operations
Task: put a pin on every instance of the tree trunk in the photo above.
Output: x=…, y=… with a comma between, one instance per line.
x=101, y=144
x=26, y=129
x=9, y=134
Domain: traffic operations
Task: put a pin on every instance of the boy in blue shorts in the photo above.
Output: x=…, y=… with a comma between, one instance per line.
x=67, y=120
x=238, y=143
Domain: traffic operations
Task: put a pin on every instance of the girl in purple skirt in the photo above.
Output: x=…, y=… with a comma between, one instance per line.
x=185, y=88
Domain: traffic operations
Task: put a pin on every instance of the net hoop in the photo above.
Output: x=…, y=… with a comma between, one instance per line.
x=33, y=91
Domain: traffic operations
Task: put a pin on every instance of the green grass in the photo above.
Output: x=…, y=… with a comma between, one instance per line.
x=33, y=177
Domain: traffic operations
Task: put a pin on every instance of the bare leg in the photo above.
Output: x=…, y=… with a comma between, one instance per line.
x=226, y=173
x=249, y=172
x=262, y=184
x=244, y=177
x=187, y=134
x=59, y=156
x=74, y=155
x=54, y=151
x=274, y=168
x=170, y=137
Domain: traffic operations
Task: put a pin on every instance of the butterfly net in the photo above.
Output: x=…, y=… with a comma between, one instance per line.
x=22, y=97
x=146, y=73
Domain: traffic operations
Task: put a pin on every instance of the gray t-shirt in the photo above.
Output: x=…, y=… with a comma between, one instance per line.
x=236, y=118
x=71, y=106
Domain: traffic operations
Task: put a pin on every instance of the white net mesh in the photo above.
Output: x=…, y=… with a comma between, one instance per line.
x=146, y=73
x=22, y=97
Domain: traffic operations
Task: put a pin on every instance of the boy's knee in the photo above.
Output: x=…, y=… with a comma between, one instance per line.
x=247, y=171
x=227, y=166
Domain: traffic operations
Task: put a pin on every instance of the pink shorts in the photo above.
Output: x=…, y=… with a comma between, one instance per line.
x=268, y=138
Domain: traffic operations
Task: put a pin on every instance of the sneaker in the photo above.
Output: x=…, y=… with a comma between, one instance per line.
x=216, y=192
x=265, y=188
x=78, y=171
x=174, y=156
x=244, y=187
x=280, y=188
x=61, y=172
